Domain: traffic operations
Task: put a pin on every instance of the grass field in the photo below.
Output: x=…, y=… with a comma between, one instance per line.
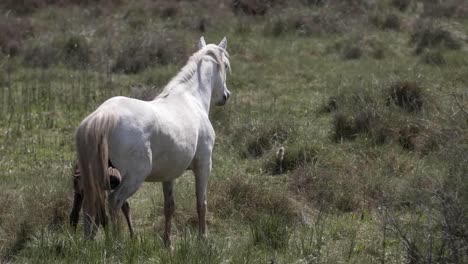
x=369, y=100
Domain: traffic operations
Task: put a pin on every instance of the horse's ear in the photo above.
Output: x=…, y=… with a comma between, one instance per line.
x=201, y=43
x=223, y=43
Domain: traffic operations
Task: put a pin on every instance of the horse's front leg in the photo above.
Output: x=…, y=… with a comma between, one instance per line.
x=169, y=208
x=202, y=170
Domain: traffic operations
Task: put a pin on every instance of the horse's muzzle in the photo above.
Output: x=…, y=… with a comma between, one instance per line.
x=226, y=96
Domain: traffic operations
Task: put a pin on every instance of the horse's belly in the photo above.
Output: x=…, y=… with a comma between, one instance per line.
x=164, y=174
x=169, y=167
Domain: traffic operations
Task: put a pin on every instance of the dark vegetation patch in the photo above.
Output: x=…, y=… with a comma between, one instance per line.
x=23, y=234
x=252, y=7
x=358, y=115
x=351, y=52
x=419, y=138
x=41, y=54
x=401, y=5
x=76, y=52
x=139, y=52
x=426, y=35
x=331, y=105
x=434, y=57
x=343, y=127
x=73, y=51
x=355, y=47
x=320, y=24
x=445, y=9
x=137, y=14
x=364, y=122
x=317, y=25
x=387, y=22
x=407, y=95
x=25, y=7
x=13, y=33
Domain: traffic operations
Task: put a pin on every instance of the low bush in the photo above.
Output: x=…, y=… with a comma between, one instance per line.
x=14, y=33
x=139, y=52
x=407, y=95
x=426, y=35
x=401, y=5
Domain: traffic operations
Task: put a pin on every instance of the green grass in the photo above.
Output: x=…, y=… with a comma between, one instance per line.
x=353, y=199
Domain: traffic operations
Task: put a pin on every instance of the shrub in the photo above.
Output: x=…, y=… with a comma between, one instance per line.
x=276, y=27
x=24, y=234
x=418, y=138
x=426, y=35
x=140, y=52
x=434, y=57
x=351, y=52
x=76, y=52
x=250, y=7
x=390, y=21
x=407, y=95
x=402, y=5
x=14, y=32
x=343, y=127
x=331, y=105
x=41, y=55
x=447, y=8
x=317, y=24
x=25, y=7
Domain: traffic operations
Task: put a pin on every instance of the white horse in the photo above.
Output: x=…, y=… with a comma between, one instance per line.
x=154, y=141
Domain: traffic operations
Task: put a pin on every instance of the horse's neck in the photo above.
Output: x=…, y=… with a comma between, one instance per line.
x=199, y=86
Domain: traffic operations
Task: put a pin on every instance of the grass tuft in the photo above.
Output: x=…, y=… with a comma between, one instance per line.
x=407, y=95
x=264, y=137
x=271, y=231
x=288, y=158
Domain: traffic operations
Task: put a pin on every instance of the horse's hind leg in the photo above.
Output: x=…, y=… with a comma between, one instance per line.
x=202, y=170
x=75, y=212
x=90, y=224
x=126, y=212
x=129, y=185
x=169, y=208
x=77, y=198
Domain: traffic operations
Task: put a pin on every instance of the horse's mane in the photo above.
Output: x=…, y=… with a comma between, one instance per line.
x=209, y=52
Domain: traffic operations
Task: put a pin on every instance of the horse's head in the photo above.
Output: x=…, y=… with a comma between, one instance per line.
x=220, y=91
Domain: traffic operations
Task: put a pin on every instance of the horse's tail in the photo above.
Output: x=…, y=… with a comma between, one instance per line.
x=92, y=139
